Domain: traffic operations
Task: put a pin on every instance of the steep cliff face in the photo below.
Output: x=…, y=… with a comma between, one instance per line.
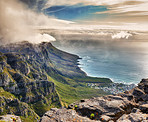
x=24, y=66
x=24, y=72
x=39, y=76
x=22, y=75
x=9, y=104
x=131, y=106
x=42, y=55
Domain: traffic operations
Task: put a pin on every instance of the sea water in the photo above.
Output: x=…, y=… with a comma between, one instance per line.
x=123, y=61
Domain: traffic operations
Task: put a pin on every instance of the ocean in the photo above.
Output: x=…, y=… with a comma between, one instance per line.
x=121, y=61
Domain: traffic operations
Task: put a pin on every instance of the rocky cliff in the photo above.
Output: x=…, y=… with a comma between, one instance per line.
x=23, y=69
x=130, y=106
x=36, y=77
x=41, y=55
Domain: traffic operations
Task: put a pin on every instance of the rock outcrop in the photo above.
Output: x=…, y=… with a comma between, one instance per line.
x=42, y=55
x=10, y=118
x=130, y=106
x=9, y=104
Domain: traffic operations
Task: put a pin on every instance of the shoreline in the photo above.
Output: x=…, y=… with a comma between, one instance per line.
x=113, y=88
x=81, y=64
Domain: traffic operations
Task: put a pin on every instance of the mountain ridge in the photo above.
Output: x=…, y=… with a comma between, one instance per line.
x=38, y=77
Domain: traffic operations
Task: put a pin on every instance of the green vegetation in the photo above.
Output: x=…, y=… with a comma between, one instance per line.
x=69, y=94
x=88, y=79
x=29, y=114
x=2, y=121
x=28, y=119
x=45, y=104
x=2, y=57
x=92, y=115
x=40, y=108
x=6, y=94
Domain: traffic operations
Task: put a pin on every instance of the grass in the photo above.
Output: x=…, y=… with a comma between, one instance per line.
x=89, y=79
x=40, y=108
x=69, y=94
x=28, y=119
x=5, y=93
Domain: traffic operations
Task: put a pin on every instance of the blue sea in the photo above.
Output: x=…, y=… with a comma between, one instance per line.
x=123, y=61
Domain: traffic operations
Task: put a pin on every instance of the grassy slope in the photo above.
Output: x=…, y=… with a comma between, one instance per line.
x=89, y=79
x=74, y=89
x=69, y=93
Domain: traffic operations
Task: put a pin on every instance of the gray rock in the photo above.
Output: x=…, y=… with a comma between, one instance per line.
x=105, y=118
x=4, y=79
x=9, y=118
x=63, y=115
x=112, y=106
x=133, y=117
x=135, y=110
x=138, y=92
x=144, y=108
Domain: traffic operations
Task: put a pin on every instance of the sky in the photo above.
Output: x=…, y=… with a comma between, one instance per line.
x=98, y=10
x=21, y=18
x=129, y=14
x=93, y=10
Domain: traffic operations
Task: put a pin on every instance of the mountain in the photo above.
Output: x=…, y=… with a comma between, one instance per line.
x=37, y=77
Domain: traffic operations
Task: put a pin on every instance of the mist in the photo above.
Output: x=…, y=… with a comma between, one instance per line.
x=19, y=23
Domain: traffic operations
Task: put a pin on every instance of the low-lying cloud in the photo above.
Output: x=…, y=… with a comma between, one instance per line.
x=98, y=35
x=121, y=35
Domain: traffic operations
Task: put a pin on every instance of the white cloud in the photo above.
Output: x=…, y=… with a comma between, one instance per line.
x=18, y=23
x=38, y=38
x=143, y=7
x=116, y=6
x=90, y=2
x=121, y=35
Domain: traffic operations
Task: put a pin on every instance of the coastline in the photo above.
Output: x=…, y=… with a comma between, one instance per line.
x=113, y=88
x=84, y=68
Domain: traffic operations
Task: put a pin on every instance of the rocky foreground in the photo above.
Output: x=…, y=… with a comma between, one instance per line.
x=130, y=106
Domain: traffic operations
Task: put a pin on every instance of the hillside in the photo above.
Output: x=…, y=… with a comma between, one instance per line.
x=36, y=77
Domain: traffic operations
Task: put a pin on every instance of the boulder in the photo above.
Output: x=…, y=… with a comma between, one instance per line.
x=105, y=118
x=111, y=106
x=138, y=92
x=63, y=115
x=133, y=117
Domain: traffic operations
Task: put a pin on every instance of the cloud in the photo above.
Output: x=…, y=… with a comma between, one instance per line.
x=121, y=35
x=94, y=2
x=141, y=7
x=38, y=38
x=116, y=7
x=19, y=23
